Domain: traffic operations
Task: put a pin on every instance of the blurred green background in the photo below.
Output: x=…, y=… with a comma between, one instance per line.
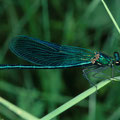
x=82, y=23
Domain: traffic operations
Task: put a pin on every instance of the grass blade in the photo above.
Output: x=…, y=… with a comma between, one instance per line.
x=23, y=114
x=77, y=99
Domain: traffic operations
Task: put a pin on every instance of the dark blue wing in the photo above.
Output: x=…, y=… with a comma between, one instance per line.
x=49, y=54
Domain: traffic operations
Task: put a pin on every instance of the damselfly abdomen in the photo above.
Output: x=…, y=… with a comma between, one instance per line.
x=46, y=55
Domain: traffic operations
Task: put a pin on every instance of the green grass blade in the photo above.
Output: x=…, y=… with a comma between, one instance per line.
x=111, y=16
x=17, y=110
x=77, y=99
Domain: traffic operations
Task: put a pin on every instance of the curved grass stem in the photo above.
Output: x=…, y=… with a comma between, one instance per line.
x=111, y=16
x=77, y=99
x=23, y=114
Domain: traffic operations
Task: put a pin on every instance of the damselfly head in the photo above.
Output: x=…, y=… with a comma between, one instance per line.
x=117, y=58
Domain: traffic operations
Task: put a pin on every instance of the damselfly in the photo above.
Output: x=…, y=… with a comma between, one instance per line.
x=46, y=55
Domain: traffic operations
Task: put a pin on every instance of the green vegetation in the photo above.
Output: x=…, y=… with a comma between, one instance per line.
x=78, y=23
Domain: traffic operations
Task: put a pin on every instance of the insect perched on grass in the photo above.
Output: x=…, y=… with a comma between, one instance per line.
x=46, y=55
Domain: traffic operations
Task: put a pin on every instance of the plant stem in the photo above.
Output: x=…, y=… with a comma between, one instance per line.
x=23, y=114
x=77, y=99
x=111, y=16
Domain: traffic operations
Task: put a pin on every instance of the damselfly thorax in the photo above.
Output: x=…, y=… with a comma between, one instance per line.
x=47, y=55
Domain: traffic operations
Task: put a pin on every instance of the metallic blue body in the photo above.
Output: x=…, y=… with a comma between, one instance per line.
x=49, y=55
x=46, y=55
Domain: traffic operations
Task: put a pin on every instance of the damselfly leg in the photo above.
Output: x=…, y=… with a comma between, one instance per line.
x=97, y=71
x=86, y=72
